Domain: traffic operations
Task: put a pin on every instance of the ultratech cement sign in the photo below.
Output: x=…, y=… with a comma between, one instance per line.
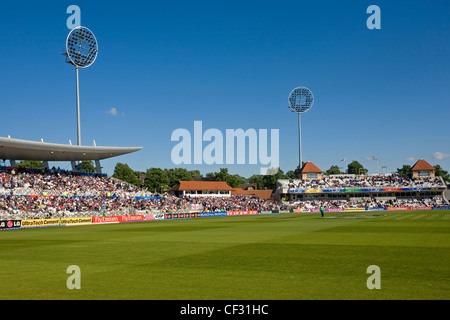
x=71, y=221
x=54, y=222
x=40, y=223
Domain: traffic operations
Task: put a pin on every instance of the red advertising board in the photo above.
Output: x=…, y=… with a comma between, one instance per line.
x=112, y=219
x=240, y=213
x=131, y=218
x=397, y=208
x=409, y=208
x=420, y=208
x=117, y=219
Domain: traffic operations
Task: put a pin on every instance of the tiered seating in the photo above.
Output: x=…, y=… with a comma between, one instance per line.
x=362, y=181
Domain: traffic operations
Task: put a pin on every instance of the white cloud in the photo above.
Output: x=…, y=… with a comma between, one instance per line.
x=410, y=159
x=113, y=112
x=440, y=155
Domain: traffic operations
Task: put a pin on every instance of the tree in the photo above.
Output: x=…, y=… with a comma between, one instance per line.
x=195, y=174
x=333, y=170
x=295, y=174
x=356, y=168
x=442, y=173
x=233, y=180
x=163, y=179
x=178, y=174
x=270, y=181
x=258, y=179
x=405, y=170
x=30, y=164
x=156, y=179
x=125, y=173
x=87, y=166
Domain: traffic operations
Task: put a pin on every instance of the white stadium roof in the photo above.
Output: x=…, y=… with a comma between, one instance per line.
x=15, y=149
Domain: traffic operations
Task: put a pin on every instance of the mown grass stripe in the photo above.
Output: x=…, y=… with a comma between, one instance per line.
x=286, y=256
x=418, y=216
x=405, y=216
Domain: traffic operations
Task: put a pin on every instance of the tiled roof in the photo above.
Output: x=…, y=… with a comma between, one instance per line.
x=310, y=167
x=262, y=194
x=422, y=165
x=202, y=185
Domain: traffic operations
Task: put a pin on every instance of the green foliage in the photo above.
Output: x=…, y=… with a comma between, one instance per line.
x=233, y=180
x=442, y=173
x=405, y=170
x=333, y=170
x=178, y=174
x=156, y=179
x=269, y=181
x=30, y=164
x=356, y=168
x=295, y=174
x=258, y=179
x=125, y=173
x=87, y=166
x=195, y=174
x=161, y=180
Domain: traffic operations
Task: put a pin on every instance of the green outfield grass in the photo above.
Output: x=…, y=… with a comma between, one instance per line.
x=285, y=256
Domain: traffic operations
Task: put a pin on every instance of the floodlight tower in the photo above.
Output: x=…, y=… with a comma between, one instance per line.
x=81, y=51
x=300, y=100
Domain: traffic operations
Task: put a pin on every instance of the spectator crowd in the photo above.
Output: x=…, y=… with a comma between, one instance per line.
x=26, y=194
x=369, y=203
x=375, y=181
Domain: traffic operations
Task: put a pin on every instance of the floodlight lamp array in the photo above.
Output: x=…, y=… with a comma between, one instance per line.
x=81, y=47
x=300, y=99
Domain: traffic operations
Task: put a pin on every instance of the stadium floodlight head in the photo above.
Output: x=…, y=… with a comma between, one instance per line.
x=300, y=100
x=81, y=51
x=81, y=47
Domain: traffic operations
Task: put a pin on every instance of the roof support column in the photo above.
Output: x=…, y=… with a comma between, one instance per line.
x=74, y=166
x=98, y=166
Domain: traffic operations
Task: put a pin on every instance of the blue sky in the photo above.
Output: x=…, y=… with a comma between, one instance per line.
x=163, y=65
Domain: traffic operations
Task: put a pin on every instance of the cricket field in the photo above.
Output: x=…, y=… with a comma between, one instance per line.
x=295, y=256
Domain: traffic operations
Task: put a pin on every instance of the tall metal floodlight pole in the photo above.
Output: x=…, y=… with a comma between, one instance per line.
x=78, y=109
x=300, y=100
x=81, y=51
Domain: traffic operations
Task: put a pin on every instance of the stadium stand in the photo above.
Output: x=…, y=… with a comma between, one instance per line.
x=26, y=193
x=31, y=194
x=360, y=181
x=420, y=189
